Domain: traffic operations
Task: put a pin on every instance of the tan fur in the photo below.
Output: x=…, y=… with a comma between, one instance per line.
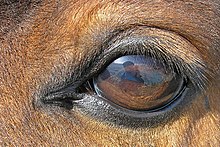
x=46, y=43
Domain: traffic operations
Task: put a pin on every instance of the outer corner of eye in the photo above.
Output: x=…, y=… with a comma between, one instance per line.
x=139, y=83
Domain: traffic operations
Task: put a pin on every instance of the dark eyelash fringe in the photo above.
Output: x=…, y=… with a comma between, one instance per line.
x=196, y=72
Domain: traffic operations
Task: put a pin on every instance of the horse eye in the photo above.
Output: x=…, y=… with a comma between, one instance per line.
x=138, y=82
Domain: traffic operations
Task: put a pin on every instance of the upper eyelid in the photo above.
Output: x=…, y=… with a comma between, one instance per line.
x=144, y=40
x=120, y=40
x=167, y=41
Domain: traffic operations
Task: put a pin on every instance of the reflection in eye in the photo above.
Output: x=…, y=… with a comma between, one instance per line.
x=139, y=82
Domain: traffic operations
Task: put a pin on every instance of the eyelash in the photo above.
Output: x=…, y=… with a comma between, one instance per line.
x=192, y=73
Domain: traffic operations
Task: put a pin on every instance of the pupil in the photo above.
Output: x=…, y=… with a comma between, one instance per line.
x=137, y=82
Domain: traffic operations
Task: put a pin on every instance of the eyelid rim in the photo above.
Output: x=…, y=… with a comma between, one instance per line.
x=149, y=113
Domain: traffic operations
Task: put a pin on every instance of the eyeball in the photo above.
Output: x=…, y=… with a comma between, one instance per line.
x=138, y=82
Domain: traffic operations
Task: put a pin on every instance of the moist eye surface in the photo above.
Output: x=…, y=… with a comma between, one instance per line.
x=138, y=82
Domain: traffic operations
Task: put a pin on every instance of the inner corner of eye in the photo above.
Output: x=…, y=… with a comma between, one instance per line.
x=137, y=82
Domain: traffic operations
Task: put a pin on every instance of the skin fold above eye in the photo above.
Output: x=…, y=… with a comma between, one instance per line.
x=46, y=47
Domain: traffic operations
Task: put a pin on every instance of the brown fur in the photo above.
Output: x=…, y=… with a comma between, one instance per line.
x=45, y=44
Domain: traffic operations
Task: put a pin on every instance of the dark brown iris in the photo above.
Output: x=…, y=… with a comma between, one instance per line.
x=138, y=83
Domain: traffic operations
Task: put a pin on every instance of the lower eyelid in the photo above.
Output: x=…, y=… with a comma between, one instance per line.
x=132, y=113
x=97, y=108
